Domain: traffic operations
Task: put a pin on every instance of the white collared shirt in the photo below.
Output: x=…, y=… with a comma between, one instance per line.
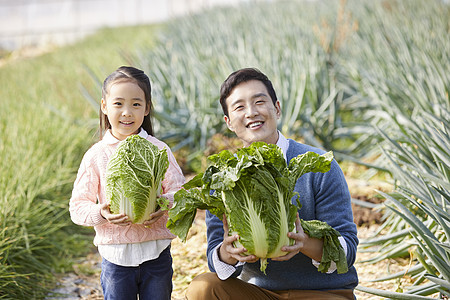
x=132, y=255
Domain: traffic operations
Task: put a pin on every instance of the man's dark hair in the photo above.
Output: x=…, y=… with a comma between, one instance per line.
x=240, y=76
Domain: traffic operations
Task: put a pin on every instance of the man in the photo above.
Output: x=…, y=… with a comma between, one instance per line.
x=251, y=111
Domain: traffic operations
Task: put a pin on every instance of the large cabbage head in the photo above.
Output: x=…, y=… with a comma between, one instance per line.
x=133, y=178
x=254, y=187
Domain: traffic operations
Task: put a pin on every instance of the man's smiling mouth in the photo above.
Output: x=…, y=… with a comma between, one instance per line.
x=254, y=124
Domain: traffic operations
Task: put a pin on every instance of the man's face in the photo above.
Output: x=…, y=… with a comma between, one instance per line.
x=252, y=114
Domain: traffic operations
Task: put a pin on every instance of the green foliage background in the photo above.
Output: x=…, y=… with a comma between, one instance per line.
x=46, y=127
x=367, y=79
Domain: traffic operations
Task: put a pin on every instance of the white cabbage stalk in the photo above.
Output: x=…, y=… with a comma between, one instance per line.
x=133, y=178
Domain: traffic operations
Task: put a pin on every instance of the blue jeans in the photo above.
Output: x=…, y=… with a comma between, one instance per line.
x=150, y=280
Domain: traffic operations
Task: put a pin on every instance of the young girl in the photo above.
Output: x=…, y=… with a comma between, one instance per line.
x=136, y=257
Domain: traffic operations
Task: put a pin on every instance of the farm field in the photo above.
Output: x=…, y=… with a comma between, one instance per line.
x=368, y=80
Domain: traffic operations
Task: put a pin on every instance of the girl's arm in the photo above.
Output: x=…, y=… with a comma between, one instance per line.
x=83, y=207
x=173, y=180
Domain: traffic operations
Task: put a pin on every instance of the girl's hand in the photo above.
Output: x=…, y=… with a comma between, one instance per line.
x=117, y=219
x=228, y=253
x=153, y=217
x=311, y=247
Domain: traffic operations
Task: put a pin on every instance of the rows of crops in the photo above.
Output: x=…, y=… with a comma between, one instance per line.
x=45, y=128
x=367, y=79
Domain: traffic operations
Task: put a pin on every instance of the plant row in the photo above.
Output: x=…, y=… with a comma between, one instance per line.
x=367, y=79
x=45, y=128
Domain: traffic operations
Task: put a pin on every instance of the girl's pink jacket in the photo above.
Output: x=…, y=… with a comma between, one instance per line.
x=89, y=193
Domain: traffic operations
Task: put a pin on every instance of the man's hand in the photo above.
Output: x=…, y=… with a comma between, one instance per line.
x=117, y=219
x=311, y=247
x=228, y=253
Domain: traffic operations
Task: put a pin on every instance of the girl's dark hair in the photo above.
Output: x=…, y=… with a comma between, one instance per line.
x=128, y=74
x=240, y=76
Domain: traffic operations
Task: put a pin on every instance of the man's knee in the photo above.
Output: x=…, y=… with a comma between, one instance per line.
x=204, y=286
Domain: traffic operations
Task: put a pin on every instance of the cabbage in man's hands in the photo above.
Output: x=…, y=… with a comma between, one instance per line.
x=253, y=188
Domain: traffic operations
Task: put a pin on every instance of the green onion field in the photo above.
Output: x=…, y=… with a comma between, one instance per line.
x=369, y=80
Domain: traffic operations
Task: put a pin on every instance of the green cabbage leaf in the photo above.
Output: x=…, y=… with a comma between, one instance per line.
x=133, y=178
x=253, y=188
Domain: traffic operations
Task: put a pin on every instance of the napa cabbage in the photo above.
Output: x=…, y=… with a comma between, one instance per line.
x=254, y=187
x=133, y=178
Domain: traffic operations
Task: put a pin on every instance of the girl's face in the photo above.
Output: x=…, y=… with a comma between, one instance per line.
x=125, y=108
x=251, y=113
